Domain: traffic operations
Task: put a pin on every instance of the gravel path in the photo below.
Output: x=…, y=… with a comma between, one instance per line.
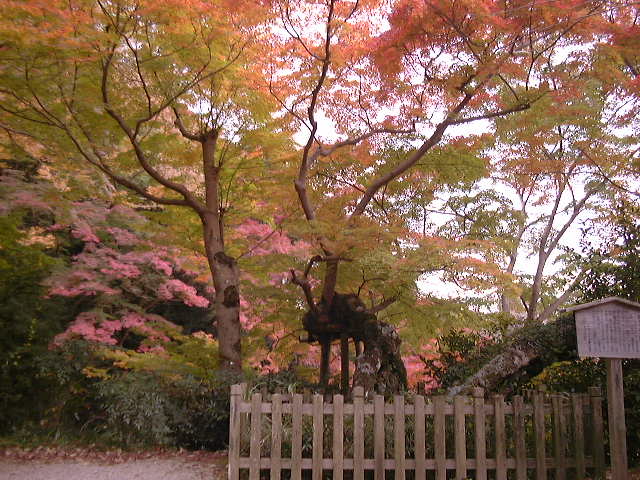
x=113, y=467
x=165, y=469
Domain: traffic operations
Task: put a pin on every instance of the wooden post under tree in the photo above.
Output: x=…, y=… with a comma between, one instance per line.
x=325, y=354
x=344, y=363
x=610, y=329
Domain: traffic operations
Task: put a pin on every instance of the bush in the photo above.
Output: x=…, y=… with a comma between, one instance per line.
x=132, y=404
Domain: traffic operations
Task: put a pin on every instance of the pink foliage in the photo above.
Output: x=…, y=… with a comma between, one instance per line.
x=91, y=327
x=89, y=289
x=154, y=349
x=416, y=369
x=248, y=317
x=123, y=238
x=162, y=266
x=83, y=231
x=118, y=266
x=121, y=269
x=176, y=289
x=29, y=200
x=87, y=325
x=132, y=320
x=267, y=241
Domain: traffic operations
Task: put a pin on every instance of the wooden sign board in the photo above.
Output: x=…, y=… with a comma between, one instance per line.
x=608, y=328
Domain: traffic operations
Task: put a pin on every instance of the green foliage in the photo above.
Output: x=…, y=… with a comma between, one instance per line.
x=462, y=352
x=138, y=400
x=614, y=265
x=143, y=408
x=27, y=320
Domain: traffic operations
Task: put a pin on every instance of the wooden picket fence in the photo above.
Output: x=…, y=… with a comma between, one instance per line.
x=302, y=436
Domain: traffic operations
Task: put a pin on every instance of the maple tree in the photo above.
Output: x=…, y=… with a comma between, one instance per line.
x=393, y=97
x=555, y=167
x=379, y=94
x=140, y=90
x=545, y=184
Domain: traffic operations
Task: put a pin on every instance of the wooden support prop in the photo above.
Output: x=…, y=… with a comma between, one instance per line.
x=358, y=346
x=344, y=363
x=325, y=350
x=617, y=427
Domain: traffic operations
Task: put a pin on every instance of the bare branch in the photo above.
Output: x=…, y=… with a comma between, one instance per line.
x=381, y=306
x=549, y=310
x=435, y=137
x=185, y=133
x=301, y=181
x=189, y=198
x=306, y=288
x=517, y=108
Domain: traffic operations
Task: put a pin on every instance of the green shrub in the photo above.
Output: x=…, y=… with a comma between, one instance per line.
x=136, y=406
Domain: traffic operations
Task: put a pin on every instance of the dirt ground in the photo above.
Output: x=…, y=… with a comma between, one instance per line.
x=44, y=463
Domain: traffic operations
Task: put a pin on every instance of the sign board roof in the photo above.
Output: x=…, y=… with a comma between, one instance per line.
x=608, y=328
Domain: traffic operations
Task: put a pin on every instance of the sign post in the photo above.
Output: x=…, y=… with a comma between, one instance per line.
x=617, y=426
x=610, y=329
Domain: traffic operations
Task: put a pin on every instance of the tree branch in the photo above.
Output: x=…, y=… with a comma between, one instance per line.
x=301, y=181
x=381, y=306
x=189, y=198
x=185, y=133
x=549, y=310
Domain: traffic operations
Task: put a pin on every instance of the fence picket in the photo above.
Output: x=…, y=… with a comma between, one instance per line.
x=578, y=429
x=539, y=427
x=440, y=444
x=460, y=437
x=398, y=436
x=318, y=434
x=276, y=436
x=246, y=429
x=480, y=434
x=597, y=432
x=559, y=436
x=234, y=432
x=338, y=436
x=501, y=438
x=296, y=438
x=419, y=437
x=254, y=446
x=378, y=436
x=358, y=433
x=520, y=438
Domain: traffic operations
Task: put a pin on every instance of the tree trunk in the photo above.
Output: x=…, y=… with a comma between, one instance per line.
x=546, y=343
x=224, y=271
x=497, y=369
x=379, y=368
